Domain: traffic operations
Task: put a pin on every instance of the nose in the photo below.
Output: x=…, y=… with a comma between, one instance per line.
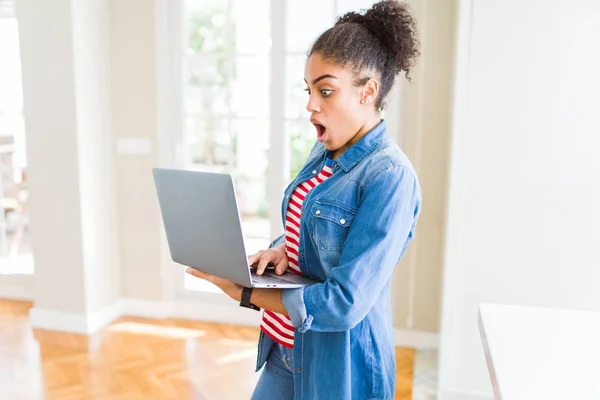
x=313, y=104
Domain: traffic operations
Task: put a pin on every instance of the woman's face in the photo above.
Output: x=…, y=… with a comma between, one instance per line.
x=335, y=104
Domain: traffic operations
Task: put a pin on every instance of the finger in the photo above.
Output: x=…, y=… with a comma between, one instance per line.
x=198, y=274
x=252, y=259
x=193, y=272
x=262, y=264
x=281, y=267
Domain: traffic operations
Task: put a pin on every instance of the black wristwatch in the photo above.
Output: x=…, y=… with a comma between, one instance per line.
x=246, y=293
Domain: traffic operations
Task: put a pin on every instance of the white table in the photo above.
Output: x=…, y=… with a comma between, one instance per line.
x=541, y=354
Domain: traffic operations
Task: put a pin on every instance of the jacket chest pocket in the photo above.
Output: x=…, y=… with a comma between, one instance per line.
x=330, y=224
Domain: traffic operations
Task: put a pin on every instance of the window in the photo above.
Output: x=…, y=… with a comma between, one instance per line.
x=226, y=103
x=243, y=100
x=15, y=251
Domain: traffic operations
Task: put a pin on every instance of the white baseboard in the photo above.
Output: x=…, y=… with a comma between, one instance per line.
x=456, y=395
x=58, y=321
x=230, y=313
x=74, y=322
x=416, y=339
x=144, y=308
x=80, y=323
x=100, y=319
x=221, y=313
x=215, y=309
x=16, y=287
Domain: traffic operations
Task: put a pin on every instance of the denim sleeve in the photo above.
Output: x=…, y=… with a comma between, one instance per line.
x=277, y=241
x=380, y=233
x=293, y=301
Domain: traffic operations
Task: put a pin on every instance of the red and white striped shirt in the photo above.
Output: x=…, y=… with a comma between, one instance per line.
x=277, y=326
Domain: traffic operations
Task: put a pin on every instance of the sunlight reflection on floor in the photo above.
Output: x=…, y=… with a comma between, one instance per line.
x=156, y=330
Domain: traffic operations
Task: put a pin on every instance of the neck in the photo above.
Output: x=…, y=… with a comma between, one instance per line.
x=371, y=123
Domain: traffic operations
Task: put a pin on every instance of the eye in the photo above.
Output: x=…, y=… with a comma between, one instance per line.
x=326, y=92
x=307, y=91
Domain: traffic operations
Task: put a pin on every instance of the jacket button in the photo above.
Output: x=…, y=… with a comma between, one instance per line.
x=342, y=221
x=314, y=171
x=318, y=212
x=299, y=370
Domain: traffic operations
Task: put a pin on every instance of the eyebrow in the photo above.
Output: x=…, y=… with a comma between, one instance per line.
x=322, y=77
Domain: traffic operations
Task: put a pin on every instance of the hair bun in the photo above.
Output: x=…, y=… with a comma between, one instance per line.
x=392, y=23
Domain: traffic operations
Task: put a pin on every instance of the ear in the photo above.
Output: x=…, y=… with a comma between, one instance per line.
x=369, y=91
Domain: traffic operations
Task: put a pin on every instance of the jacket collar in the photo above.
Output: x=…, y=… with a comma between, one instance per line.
x=362, y=148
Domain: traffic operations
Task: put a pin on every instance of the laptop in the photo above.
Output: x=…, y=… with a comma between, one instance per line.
x=203, y=228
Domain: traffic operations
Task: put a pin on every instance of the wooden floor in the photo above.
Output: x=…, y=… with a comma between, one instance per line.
x=135, y=359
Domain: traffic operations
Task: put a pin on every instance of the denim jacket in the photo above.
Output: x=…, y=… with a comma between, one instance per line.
x=355, y=227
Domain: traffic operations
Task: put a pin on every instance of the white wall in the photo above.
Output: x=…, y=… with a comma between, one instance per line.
x=523, y=220
x=70, y=140
x=97, y=178
x=51, y=126
x=426, y=113
x=134, y=102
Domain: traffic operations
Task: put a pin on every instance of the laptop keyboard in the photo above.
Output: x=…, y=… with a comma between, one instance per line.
x=269, y=279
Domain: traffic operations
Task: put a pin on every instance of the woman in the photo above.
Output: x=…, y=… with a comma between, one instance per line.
x=349, y=216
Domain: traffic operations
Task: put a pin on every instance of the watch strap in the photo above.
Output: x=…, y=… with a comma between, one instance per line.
x=245, y=302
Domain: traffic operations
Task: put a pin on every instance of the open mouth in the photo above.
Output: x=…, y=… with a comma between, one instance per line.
x=321, y=132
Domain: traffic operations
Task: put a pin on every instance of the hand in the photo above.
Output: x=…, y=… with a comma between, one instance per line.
x=275, y=256
x=231, y=289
